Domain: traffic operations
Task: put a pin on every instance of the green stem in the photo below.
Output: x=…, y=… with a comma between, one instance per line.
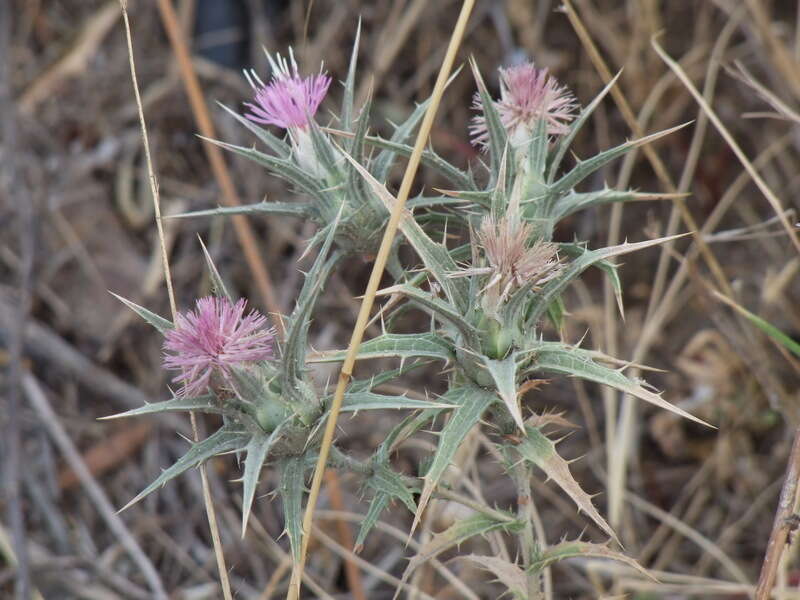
x=527, y=540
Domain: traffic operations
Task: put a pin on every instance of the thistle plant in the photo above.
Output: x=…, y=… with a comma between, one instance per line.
x=488, y=300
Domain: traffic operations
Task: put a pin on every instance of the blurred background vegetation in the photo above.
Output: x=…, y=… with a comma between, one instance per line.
x=76, y=221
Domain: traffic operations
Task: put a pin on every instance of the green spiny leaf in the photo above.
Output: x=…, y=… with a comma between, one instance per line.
x=577, y=124
x=217, y=285
x=376, y=508
x=538, y=449
x=470, y=404
x=578, y=549
x=287, y=209
x=586, y=167
x=205, y=404
x=439, y=308
x=223, y=440
x=395, y=345
x=504, y=374
x=160, y=323
x=355, y=401
x=386, y=481
x=429, y=158
x=257, y=449
x=277, y=145
x=292, y=472
x=435, y=256
x=350, y=84
x=281, y=167
x=554, y=357
x=553, y=288
x=498, y=137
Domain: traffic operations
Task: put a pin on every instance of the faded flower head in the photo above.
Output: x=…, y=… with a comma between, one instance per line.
x=513, y=260
x=527, y=94
x=215, y=336
x=288, y=101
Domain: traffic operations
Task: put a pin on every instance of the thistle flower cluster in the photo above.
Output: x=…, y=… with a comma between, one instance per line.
x=488, y=300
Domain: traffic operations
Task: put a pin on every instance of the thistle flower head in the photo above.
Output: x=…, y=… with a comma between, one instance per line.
x=513, y=260
x=527, y=94
x=289, y=100
x=215, y=337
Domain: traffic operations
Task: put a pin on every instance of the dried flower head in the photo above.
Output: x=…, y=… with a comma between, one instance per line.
x=216, y=336
x=513, y=260
x=288, y=101
x=527, y=94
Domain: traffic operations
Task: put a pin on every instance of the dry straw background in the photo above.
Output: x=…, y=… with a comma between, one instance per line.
x=694, y=506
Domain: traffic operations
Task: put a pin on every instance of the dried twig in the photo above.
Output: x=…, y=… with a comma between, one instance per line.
x=49, y=419
x=785, y=522
x=12, y=442
x=207, y=500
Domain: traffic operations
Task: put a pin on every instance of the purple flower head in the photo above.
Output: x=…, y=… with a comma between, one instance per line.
x=215, y=336
x=288, y=101
x=527, y=94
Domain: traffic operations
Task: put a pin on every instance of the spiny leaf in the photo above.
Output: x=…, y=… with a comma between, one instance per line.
x=300, y=321
x=323, y=149
x=578, y=549
x=203, y=403
x=574, y=201
x=288, y=209
x=350, y=83
x=292, y=472
x=460, y=531
x=470, y=404
x=376, y=508
x=395, y=345
x=282, y=167
x=223, y=440
x=381, y=165
x=159, y=323
x=277, y=145
x=509, y=574
x=553, y=288
x=586, y=167
x=553, y=357
x=504, y=374
x=364, y=385
x=257, y=449
x=609, y=268
x=355, y=401
x=217, y=285
x=577, y=124
x=428, y=158
x=439, y=308
x=541, y=451
x=498, y=137
x=435, y=256
x=386, y=481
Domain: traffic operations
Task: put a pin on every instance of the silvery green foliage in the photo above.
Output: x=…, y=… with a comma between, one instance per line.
x=486, y=323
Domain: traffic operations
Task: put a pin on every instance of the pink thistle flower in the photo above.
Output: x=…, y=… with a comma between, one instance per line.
x=288, y=101
x=216, y=336
x=527, y=94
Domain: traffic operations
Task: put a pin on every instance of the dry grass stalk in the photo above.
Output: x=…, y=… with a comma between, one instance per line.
x=208, y=501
